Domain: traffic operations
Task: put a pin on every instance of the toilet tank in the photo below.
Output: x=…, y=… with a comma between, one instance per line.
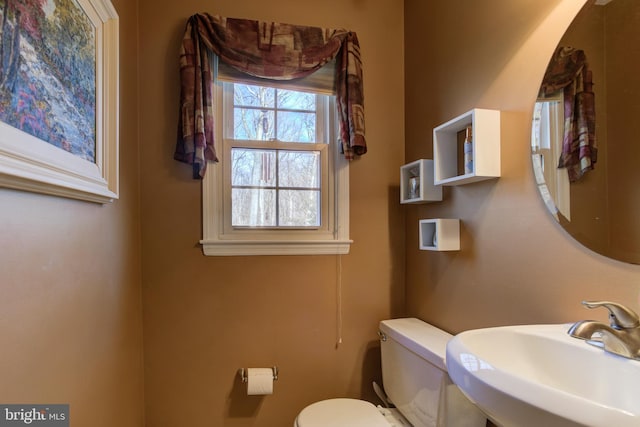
x=415, y=376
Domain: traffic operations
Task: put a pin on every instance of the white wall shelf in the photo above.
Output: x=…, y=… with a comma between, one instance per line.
x=416, y=183
x=439, y=234
x=448, y=152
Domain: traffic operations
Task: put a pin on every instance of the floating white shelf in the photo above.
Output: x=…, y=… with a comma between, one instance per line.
x=416, y=183
x=448, y=153
x=439, y=234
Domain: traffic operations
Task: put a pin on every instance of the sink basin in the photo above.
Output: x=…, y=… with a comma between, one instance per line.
x=537, y=375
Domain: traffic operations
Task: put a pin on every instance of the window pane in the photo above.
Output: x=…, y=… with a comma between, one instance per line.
x=294, y=100
x=296, y=127
x=253, y=207
x=251, y=167
x=300, y=169
x=249, y=123
x=253, y=96
x=299, y=208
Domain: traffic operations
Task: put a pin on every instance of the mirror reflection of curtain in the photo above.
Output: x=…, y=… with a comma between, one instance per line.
x=568, y=71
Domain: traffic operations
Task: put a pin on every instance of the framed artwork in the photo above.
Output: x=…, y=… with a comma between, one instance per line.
x=59, y=98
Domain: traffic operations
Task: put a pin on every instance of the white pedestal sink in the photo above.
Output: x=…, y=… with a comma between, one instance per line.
x=537, y=375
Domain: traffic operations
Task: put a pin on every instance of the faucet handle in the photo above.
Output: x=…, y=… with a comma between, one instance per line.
x=620, y=317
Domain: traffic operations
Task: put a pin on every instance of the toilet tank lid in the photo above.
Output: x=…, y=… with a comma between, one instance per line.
x=424, y=339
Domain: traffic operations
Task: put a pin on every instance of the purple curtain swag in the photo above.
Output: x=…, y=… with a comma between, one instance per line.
x=569, y=71
x=266, y=50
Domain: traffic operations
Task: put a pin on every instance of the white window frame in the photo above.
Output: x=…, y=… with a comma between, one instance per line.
x=221, y=239
x=550, y=134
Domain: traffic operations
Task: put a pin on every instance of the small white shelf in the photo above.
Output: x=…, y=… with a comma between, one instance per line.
x=420, y=174
x=439, y=234
x=448, y=152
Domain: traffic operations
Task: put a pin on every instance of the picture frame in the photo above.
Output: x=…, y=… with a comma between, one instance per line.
x=32, y=164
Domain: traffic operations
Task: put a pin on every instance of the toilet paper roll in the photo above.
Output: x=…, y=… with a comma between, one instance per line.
x=259, y=381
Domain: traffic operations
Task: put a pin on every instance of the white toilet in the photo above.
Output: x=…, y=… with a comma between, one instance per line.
x=415, y=380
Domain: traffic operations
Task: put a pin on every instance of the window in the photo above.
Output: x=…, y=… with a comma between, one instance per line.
x=278, y=156
x=281, y=186
x=546, y=144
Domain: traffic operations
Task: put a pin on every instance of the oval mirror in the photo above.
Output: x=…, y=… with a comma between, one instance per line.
x=585, y=150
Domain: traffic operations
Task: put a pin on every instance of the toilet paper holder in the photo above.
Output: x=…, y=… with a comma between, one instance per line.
x=243, y=374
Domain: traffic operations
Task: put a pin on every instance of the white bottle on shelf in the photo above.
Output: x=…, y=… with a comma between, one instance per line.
x=468, y=151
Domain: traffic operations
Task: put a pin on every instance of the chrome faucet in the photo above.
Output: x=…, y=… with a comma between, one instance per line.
x=621, y=336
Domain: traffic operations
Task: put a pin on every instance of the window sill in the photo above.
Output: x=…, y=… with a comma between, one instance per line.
x=288, y=247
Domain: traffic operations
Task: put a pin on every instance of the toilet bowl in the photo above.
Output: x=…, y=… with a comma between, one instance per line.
x=415, y=380
x=348, y=412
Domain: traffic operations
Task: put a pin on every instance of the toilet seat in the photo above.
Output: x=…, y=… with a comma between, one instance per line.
x=341, y=413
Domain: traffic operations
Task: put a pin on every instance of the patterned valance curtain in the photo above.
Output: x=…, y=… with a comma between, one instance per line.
x=569, y=71
x=266, y=50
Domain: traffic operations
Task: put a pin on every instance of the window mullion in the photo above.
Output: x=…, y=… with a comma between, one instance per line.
x=275, y=116
x=277, y=177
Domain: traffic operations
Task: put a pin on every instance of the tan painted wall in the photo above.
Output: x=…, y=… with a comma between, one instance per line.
x=516, y=264
x=205, y=317
x=70, y=305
